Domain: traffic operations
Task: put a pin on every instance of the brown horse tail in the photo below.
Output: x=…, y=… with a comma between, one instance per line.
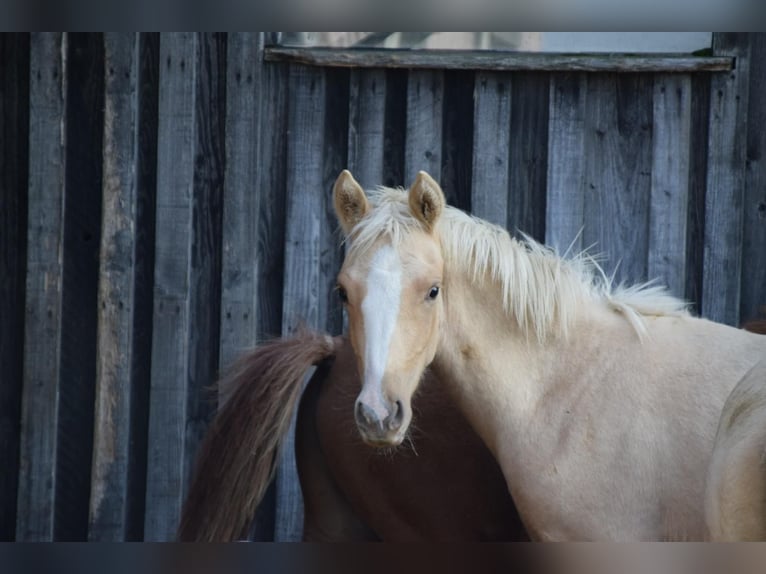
x=238, y=456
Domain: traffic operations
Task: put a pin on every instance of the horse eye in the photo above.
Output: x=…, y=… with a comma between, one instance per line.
x=434, y=292
x=342, y=294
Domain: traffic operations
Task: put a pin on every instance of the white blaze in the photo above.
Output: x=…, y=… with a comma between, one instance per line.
x=380, y=310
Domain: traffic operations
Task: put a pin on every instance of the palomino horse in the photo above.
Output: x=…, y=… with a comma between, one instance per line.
x=442, y=485
x=600, y=404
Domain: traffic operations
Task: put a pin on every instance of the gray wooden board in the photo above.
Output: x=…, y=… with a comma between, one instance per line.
x=395, y=130
x=303, y=233
x=205, y=285
x=725, y=182
x=170, y=345
x=42, y=336
x=491, y=137
x=566, y=166
x=242, y=197
x=753, y=300
x=367, y=120
x=668, y=212
x=528, y=158
x=498, y=60
x=423, y=152
x=14, y=166
x=618, y=131
x=111, y=433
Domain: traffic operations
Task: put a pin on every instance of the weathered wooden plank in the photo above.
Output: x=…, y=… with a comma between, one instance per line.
x=242, y=197
x=618, y=172
x=491, y=143
x=457, y=143
x=366, y=127
x=303, y=238
x=271, y=238
x=497, y=60
x=42, y=333
x=82, y=236
x=725, y=182
x=205, y=288
x=528, y=164
x=172, y=275
x=753, y=299
x=423, y=151
x=566, y=169
x=114, y=380
x=14, y=174
x=668, y=210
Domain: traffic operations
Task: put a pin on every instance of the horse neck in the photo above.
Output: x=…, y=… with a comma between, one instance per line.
x=493, y=369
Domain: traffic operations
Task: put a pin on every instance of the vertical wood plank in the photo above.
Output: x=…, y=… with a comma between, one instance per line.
x=303, y=234
x=618, y=172
x=14, y=173
x=242, y=197
x=528, y=164
x=42, y=336
x=367, y=120
x=753, y=299
x=566, y=169
x=491, y=137
x=170, y=346
x=671, y=149
x=114, y=379
x=423, y=152
x=725, y=182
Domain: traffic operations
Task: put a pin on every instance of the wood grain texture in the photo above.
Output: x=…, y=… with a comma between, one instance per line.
x=528, y=161
x=303, y=245
x=242, y=197
x=668, y=210
x=726, y=182
x=497, y=60
x=423, y=152
x=14, y=174
x=114, y=378
x=396, y=128
x=753, y=298
x=491, y=143
x=618, y=138
x=172, y=276
x=366, y=126
x=564, y=216
x=42, y=334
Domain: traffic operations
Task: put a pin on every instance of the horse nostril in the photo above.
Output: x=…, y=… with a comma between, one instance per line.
x=396, y=418
x=364, y=414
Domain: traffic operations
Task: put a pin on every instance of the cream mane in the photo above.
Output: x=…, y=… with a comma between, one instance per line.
x=540, y=289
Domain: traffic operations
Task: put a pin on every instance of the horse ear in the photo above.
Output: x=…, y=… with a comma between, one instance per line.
x=426, y=200
x=350, y=201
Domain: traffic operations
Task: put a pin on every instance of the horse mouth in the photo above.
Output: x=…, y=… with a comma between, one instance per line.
x=382, y=441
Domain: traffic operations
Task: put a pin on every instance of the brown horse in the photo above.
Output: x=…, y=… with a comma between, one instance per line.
x=442, y=484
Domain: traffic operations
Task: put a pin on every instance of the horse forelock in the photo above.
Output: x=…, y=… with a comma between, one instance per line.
x=540, y=289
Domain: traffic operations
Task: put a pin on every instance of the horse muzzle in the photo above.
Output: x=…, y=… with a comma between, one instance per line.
x=381, y=429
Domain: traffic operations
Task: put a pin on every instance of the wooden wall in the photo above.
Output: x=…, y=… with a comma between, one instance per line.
x=165, y=204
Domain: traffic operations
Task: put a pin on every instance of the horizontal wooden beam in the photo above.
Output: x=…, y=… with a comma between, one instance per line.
x=496, y=60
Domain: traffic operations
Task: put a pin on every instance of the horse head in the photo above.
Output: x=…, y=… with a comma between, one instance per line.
x=390, y=284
